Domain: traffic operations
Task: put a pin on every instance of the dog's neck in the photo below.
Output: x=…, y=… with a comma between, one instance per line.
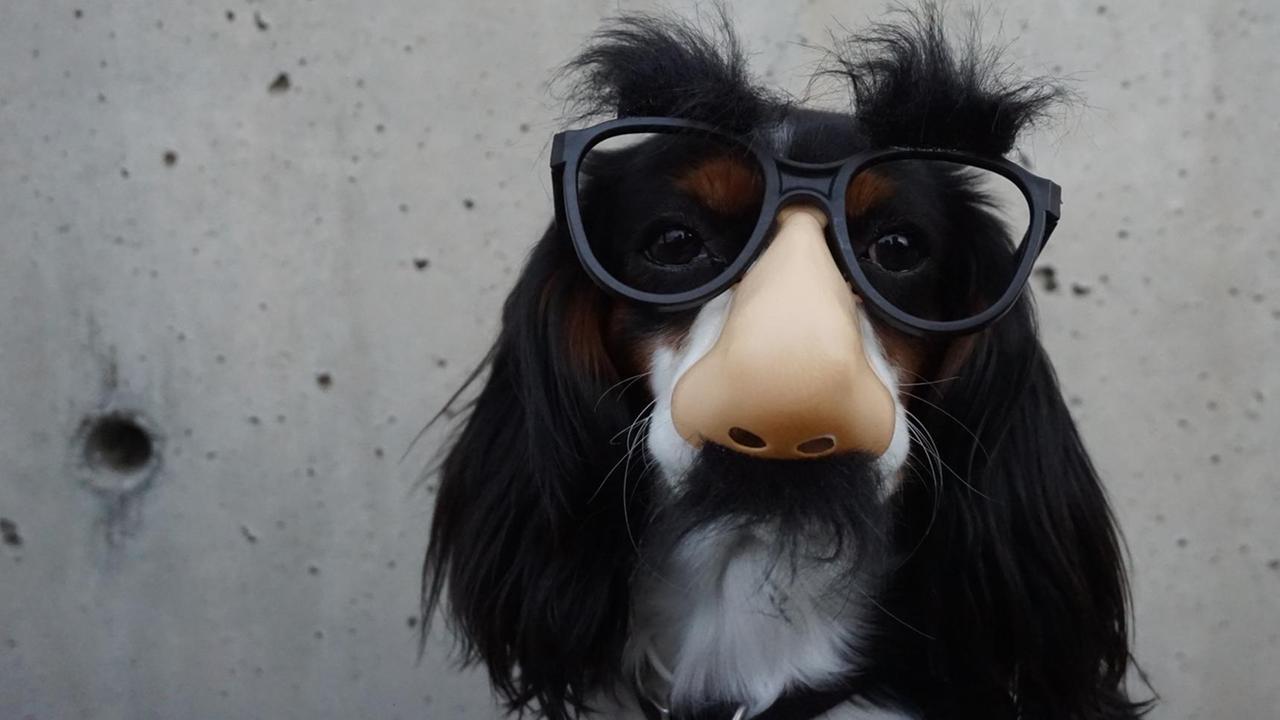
x=724, y=620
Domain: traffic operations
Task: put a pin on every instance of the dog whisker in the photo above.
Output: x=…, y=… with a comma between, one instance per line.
x=931, y=474
x=641, y=419
x=927, y=383
x=924, y=381
x=932, y=450
x=646, y=417
x=897, y=619
x=976, y=440
x=625, y=384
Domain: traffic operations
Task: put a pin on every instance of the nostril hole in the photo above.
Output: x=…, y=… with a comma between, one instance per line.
x=816, y=446
x=746, y=438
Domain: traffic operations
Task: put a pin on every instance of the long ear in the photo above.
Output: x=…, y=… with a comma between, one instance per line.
x=531, y=554
x=1020, y=576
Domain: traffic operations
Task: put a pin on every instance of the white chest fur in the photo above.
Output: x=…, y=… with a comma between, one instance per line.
x=730, y=621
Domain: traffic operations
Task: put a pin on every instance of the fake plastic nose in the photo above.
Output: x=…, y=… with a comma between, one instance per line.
x=788, y=378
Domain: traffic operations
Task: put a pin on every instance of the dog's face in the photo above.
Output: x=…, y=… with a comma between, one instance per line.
x=775, y=431
x=777, y=486
x=787, y=363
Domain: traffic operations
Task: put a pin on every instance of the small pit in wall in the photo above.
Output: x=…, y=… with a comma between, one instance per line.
x=119, y=450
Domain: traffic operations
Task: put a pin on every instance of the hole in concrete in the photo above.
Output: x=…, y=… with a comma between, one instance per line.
x=816, y=446
x=746, y=438
x=117, y=443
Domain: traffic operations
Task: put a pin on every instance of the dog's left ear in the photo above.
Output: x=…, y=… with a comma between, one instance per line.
x=529, y=537
x=1019, y=580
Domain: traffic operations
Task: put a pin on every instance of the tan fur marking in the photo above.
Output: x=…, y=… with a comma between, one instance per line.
x=723, y=184
x=582, y=320
x=866, y=191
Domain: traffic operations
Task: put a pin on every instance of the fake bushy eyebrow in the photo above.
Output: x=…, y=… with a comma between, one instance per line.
x=911, y=84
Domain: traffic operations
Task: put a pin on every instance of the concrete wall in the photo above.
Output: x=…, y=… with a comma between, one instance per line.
x=274, y=236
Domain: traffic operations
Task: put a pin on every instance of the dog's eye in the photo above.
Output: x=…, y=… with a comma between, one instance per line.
x=675, y=245
x=897, y=252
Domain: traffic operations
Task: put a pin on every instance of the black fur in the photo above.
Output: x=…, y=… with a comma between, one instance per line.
x=1016, y=583
x=536, y=571
x=1010, y=594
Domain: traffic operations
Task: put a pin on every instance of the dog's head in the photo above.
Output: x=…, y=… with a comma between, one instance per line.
x=821, y=416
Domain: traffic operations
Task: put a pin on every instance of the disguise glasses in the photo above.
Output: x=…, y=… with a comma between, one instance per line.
x=669, y=213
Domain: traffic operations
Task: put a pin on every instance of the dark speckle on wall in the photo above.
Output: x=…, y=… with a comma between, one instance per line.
x=1048, y=277
x=9, y=533
x=280, y=85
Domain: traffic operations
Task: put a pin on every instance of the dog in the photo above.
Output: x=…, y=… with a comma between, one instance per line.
x=768, y=431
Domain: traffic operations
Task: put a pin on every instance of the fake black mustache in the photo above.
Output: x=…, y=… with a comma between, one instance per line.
x=824, y=510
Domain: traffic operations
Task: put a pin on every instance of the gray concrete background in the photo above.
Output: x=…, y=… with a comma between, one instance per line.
x=180, y=242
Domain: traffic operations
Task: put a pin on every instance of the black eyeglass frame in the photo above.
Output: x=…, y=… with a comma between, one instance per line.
x=785, y=182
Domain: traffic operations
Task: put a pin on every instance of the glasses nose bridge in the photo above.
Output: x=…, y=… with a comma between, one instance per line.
x=803, y=181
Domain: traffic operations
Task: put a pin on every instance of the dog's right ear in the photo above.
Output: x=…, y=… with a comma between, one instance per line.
x=1022, y=565
x=529, y=539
